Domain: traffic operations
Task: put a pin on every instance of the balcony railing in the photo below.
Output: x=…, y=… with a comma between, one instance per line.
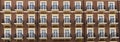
x=7, y=8
x=102, y=36
x=91, y=36
x=6, y=22
x=43, y=8
x=31, y=22
x=43, y=36
x=6, y=36
x=18, y=22
x=79, y=36
x=18, y=36
x=114, y=35
x=31, y=36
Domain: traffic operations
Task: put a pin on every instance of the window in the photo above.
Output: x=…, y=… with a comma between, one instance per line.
x=19, y=4
x=31, y=19
x=43, y=5
x=112, y=32
x=7, y=19
x=43, y=32
x=111, y=5
x=77, y=4
x=31, y=33
x=66, y=32
x=66, y=4
x=112, y=19
x=78, y=32
x=54, y=4
x=7, y=33
x=78, y=19
x=101, y=32
x=100, y=5
x=101, y=19
x=19, y=33
x=31, y=4
x=66, y=19
x=54, y=19
x=89, y=5
x=43, y=19
x=90, y=32
x=55, y=32
x=89, y=19
x=19, y=19
x=7, y=4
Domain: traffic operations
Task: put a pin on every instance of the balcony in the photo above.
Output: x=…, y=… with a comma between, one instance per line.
x=19, y=37
x=55, y=22
x=89, y=10
x=43, y=36
x=79, y=36
x=18, y=22
x=91, y=36
x=66, y=8
x=43, y=8
x=60, y=36
x=113, y=11
x=113, y=23
x=78, y=23
x=30, y=10
x=101, y=10
x=101, y=23
x=67, y=22
x=6, y=10
x=6, y=23
x=114, y=36
x=6, y=37
x=31, y=23
x=55, y=36
x=90, y=23
x=43, y=22
x=102, y=36
x=31, y=36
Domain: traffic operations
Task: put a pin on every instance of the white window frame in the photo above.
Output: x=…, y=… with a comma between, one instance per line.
x=6, y=4
x=99, y=3
x=65, y=17
x=112, y=15
x=90, y=3
x=19, y=29
x=113, y=4
x=55, y=2
x=77, y=31
x=42, y=4
x=77, y=4
x=17, y=3
x=57, y=31
x=30, y=17
x=102, y=31
x=64, y=3
x=102, y=17
x=56, y=17
x=30, y=2
x=7, y=29
x=42, y=31
x=91, y=17
x=79, y=17
x=67, y=29
x=42, y=17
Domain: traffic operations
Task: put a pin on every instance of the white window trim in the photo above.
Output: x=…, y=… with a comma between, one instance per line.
x=19, y=15
x=31, y=29
x=111, y=2
x=31, y=15
x=78, y=29
x=67, y=29
x=7, y=15
x=66, y=15
x=43, y=29
x=89, y=15
x=7, y=1
x=7, y=29
x=89, y=2
x=112, y=15
x=31, y=1
x=78, y=2
x=55, y=2
x=19, y=1
x=78, y=15
x=101, y=15
x=91, y=29
x=43, y=15
x=66, y=2
x=19, y=29
x=55, y=29
x=100, y=2
x=101, y=28
x=112, y=28
x=43, y=1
